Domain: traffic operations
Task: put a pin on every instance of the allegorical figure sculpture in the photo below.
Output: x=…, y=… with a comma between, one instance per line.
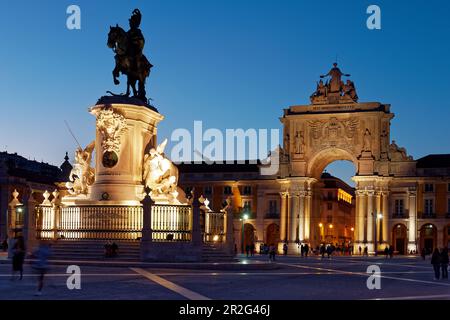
x=82, y=174
x=130, y=60
x=349, y=90
x=335, y=74
x=397, y=153
x=334, y=90
x=161, y=176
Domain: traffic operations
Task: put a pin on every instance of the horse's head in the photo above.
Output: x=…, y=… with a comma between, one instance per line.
x=113, y=36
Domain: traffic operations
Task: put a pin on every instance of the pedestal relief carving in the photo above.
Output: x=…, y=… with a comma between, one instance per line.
x=112, y=126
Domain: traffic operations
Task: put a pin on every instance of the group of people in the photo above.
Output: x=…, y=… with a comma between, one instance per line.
x=111, y=250
x=266, y=249
x=17, y=249
x=439, y=260
x=389, y=252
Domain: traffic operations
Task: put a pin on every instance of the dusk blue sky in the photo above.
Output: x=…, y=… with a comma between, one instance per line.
x=230, y=63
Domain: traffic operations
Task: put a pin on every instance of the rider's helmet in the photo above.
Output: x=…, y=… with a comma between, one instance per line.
x=135, y=20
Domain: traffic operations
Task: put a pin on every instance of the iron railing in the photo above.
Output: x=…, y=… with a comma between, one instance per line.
x=214, y=227
x=125, y=223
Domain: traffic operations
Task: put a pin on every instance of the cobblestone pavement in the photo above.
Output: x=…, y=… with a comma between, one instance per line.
x=296, y=278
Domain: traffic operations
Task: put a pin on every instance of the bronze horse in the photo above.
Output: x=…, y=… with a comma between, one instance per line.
x=136, y=68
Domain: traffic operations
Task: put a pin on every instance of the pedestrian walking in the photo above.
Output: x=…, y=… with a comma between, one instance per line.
x=252, y=249
x=386, y=252
x=391, y=252
x=423, y=253
x=302, y=250
x=41, y=264
x=359, y=249
x=285, y=249
x=18, y=257
x=329, y=251
x=436, y=262
x=247, y=250
x=272, y=253
x=306, y=248
x=5, y=245
x=444, y=263
x=366, y=251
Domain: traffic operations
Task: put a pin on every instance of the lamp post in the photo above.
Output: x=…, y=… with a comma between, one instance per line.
x=379, y=216
x=244, y=217
x=321, y=231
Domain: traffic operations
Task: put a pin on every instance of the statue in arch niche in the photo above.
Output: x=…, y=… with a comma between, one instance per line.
x=82, y=174
x=161, y=176
x=367, y=146
x=299, y=143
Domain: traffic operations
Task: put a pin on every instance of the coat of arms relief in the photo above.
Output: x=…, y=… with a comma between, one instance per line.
x=334, y=132
x=112, y=126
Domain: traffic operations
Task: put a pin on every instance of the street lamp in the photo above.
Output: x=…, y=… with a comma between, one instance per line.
x=245, y=216
x=379, y=216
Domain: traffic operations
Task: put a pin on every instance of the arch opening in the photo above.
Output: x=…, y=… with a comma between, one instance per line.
x=322, y=159
x=333, y=212
x=428, y=237
x=399, y=238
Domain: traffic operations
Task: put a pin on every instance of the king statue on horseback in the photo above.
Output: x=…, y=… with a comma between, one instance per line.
x=130, y=60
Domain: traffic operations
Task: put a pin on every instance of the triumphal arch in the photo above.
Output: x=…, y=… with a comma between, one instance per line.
x=336, y=126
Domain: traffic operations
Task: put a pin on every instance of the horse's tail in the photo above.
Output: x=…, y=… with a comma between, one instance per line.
x=116, y=94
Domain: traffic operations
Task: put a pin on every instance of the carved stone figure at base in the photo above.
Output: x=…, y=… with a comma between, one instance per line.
x=161, y=176
x=82, y=174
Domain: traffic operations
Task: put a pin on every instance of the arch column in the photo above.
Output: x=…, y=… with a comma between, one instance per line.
x=379, y=222
x=294, y=218
x=412, y=221
x=301, y=227
x=357, y=233
x=371, y=216
x=385, y=224
x=308, y=206
x=360, y=218
x=283, y=216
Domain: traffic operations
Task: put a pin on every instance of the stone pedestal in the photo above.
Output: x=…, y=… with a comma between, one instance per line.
x=124, y=134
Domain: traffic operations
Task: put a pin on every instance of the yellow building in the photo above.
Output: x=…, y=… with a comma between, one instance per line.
x=258, y=200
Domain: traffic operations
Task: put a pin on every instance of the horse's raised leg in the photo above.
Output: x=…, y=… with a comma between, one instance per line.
x=116, y=74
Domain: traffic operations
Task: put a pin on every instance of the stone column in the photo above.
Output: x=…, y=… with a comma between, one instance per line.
x=308, y=214
x=56, y=203
x=196, y=229
x=229, y=232
x=412, y=221
x=29, y=229
x=371, y=216
x=147, y=204
x=293, y=235
x=283, y=216
x=357, y=234
x=378, y=210
x=386, y=216
x=293, y=224
x=360, y=217
x=260, y=212
x=301, y=207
